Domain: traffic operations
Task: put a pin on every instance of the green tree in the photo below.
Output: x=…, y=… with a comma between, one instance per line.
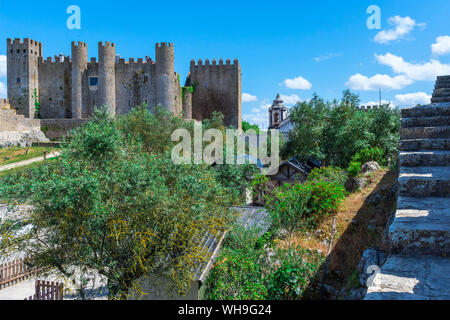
x=309, y=120
x=105, y=207
x=246, y=126
x=334, y=132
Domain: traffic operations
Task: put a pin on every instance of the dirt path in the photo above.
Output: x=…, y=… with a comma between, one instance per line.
x=29, y=161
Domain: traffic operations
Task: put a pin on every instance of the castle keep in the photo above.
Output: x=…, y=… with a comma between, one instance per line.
x=71, y=87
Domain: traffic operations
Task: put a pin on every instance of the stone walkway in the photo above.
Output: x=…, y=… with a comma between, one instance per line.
x=29, y=161
x=419, y=265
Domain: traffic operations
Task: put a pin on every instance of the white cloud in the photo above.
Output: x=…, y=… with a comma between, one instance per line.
x=421, y=71
x=246, y=97
x=328, y=56
x=299, y=83
x=402, y=27
x=442, y=45
x=290, y=99
x=378, y=81
x=412, y=99
x=261, y=119
x=406, y=74
x=3, y=93
x=2, y=66
x=376, y=103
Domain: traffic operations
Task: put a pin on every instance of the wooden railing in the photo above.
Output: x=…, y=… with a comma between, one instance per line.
x=46, y=290
x=15, y=271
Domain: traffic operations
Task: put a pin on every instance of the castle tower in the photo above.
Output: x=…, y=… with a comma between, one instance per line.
x=276, y=112
x=23, y=74
x=217, y=88
x=165, y=76
x=107, y=76
x=79, y=67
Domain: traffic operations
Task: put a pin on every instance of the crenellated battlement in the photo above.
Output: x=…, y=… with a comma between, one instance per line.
x=107, y=44
x=79, y=44
x=164, y=45
x=25, y=41
x=4, y=102
x=55, y=60
x=214, y=63
x=147, y=60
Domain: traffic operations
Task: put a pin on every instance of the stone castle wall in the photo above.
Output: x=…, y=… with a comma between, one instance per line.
x=70, y=88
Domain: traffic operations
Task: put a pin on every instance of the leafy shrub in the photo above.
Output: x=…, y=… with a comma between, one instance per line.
x=236, y=178
x=239, y=270
x=328, y=174
x=364, y=156
x=370, y=154
x=354, y=168
x=304, y=205
x=243, y=270
x=291, y=279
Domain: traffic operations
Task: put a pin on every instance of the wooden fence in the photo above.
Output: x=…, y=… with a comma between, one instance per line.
x=15, y=271
x=46, y=290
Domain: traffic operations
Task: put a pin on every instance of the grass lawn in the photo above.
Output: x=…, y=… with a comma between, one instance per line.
x=24, y=168
x=17, y=154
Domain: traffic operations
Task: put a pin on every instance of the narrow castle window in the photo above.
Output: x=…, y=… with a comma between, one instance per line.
x=18, y=80
x=93, y=81
x=145, y=79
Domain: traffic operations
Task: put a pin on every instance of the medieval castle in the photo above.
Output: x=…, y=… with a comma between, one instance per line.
x=71, y=87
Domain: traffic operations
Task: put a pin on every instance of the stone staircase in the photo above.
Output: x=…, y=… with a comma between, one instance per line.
x=16, y=130
x=11, y=121
x=419, y=265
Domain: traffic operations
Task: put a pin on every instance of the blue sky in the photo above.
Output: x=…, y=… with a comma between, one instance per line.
x=294, y=48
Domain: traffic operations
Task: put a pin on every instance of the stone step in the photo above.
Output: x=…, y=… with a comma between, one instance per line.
x=438, y=110
x=426, y=122
x=425, y=132
x=424, y=158
x=424, y=144
x=405, y=277
x=443, y=78
x=423, y=182
x=440, y=99
x=442, y=84
x=441, y=92
x=421, y=226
